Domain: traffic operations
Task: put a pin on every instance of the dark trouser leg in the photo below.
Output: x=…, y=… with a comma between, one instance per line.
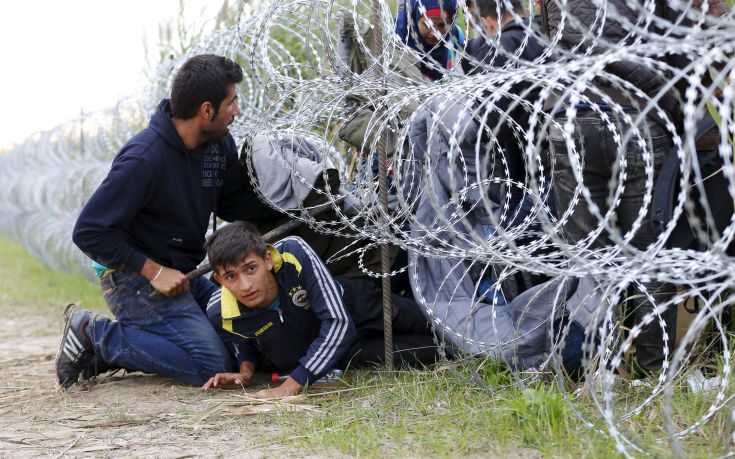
x=519, y=205
x=650, y=343
x=363, y=298
x=571, y=349
x=590, y=154
x=598, y=155
x=408, y=318
x=413, y=340
x=412, y=350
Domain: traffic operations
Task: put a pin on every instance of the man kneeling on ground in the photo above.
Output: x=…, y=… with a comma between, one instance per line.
x=279, y=302
x=145, y=225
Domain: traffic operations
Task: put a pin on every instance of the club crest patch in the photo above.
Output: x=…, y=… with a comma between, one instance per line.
x=299, y=297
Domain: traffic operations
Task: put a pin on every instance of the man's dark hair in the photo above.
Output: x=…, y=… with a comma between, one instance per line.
x=493, y=8
x=231, y=243
x=202, y=78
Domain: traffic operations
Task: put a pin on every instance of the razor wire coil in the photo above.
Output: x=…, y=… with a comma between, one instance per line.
x=296, y=83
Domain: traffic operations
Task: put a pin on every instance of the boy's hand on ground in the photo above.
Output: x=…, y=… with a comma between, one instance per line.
x=228, y=380
x=171, y=282
x=289, y=388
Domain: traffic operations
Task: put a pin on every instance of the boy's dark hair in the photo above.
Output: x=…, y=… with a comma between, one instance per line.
x=231, y=243
x=496, y=8
x=202, y=78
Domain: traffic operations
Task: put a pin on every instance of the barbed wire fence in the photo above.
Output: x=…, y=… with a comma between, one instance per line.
x=455, y=204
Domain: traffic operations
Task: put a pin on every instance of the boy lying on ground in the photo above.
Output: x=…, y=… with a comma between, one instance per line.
x=280, y=303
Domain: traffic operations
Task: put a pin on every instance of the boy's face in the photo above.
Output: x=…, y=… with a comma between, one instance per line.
x=250, y=280
x=440, y=25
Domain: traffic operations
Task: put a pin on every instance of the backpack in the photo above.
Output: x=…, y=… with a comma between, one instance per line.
x=706, y=226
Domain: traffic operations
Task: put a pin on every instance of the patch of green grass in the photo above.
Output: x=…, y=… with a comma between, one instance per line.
x=28, y=287
x=439, y=414
x=117, y=412
x=445, y=413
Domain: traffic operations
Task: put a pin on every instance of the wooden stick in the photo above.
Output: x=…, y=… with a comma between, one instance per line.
x=271, y=236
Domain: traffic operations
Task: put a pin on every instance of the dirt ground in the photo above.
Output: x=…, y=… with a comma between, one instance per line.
x=137, y=415
x=131, y=415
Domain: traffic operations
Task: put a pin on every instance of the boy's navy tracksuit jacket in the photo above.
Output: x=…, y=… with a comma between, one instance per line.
x=310, y=306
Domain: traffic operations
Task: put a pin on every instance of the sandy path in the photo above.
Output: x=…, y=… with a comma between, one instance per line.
x=131, y=415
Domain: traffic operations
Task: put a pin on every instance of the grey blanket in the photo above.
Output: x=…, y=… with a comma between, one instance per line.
x=286, y=168
x=444, y=187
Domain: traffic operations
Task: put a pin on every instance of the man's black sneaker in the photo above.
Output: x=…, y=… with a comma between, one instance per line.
x=75, y=350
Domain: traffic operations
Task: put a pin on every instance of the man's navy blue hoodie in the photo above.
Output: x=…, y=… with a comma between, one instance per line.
x=158, y=197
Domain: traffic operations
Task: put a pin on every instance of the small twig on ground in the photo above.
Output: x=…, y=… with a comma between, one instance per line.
x=12, y=396
x=207, y=413
x=72, y=445
x=5, y=390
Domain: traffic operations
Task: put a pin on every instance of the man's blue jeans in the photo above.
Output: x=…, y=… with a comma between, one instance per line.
x=167, y=336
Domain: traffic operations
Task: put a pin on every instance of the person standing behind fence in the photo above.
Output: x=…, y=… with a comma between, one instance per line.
x=428, y=27
x=509, y=39
x=145, y=226
x=609, y=130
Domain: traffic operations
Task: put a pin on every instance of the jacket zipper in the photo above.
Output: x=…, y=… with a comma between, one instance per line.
x=280, y=315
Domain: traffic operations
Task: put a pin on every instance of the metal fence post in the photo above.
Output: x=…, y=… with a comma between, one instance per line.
x=383, y=190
